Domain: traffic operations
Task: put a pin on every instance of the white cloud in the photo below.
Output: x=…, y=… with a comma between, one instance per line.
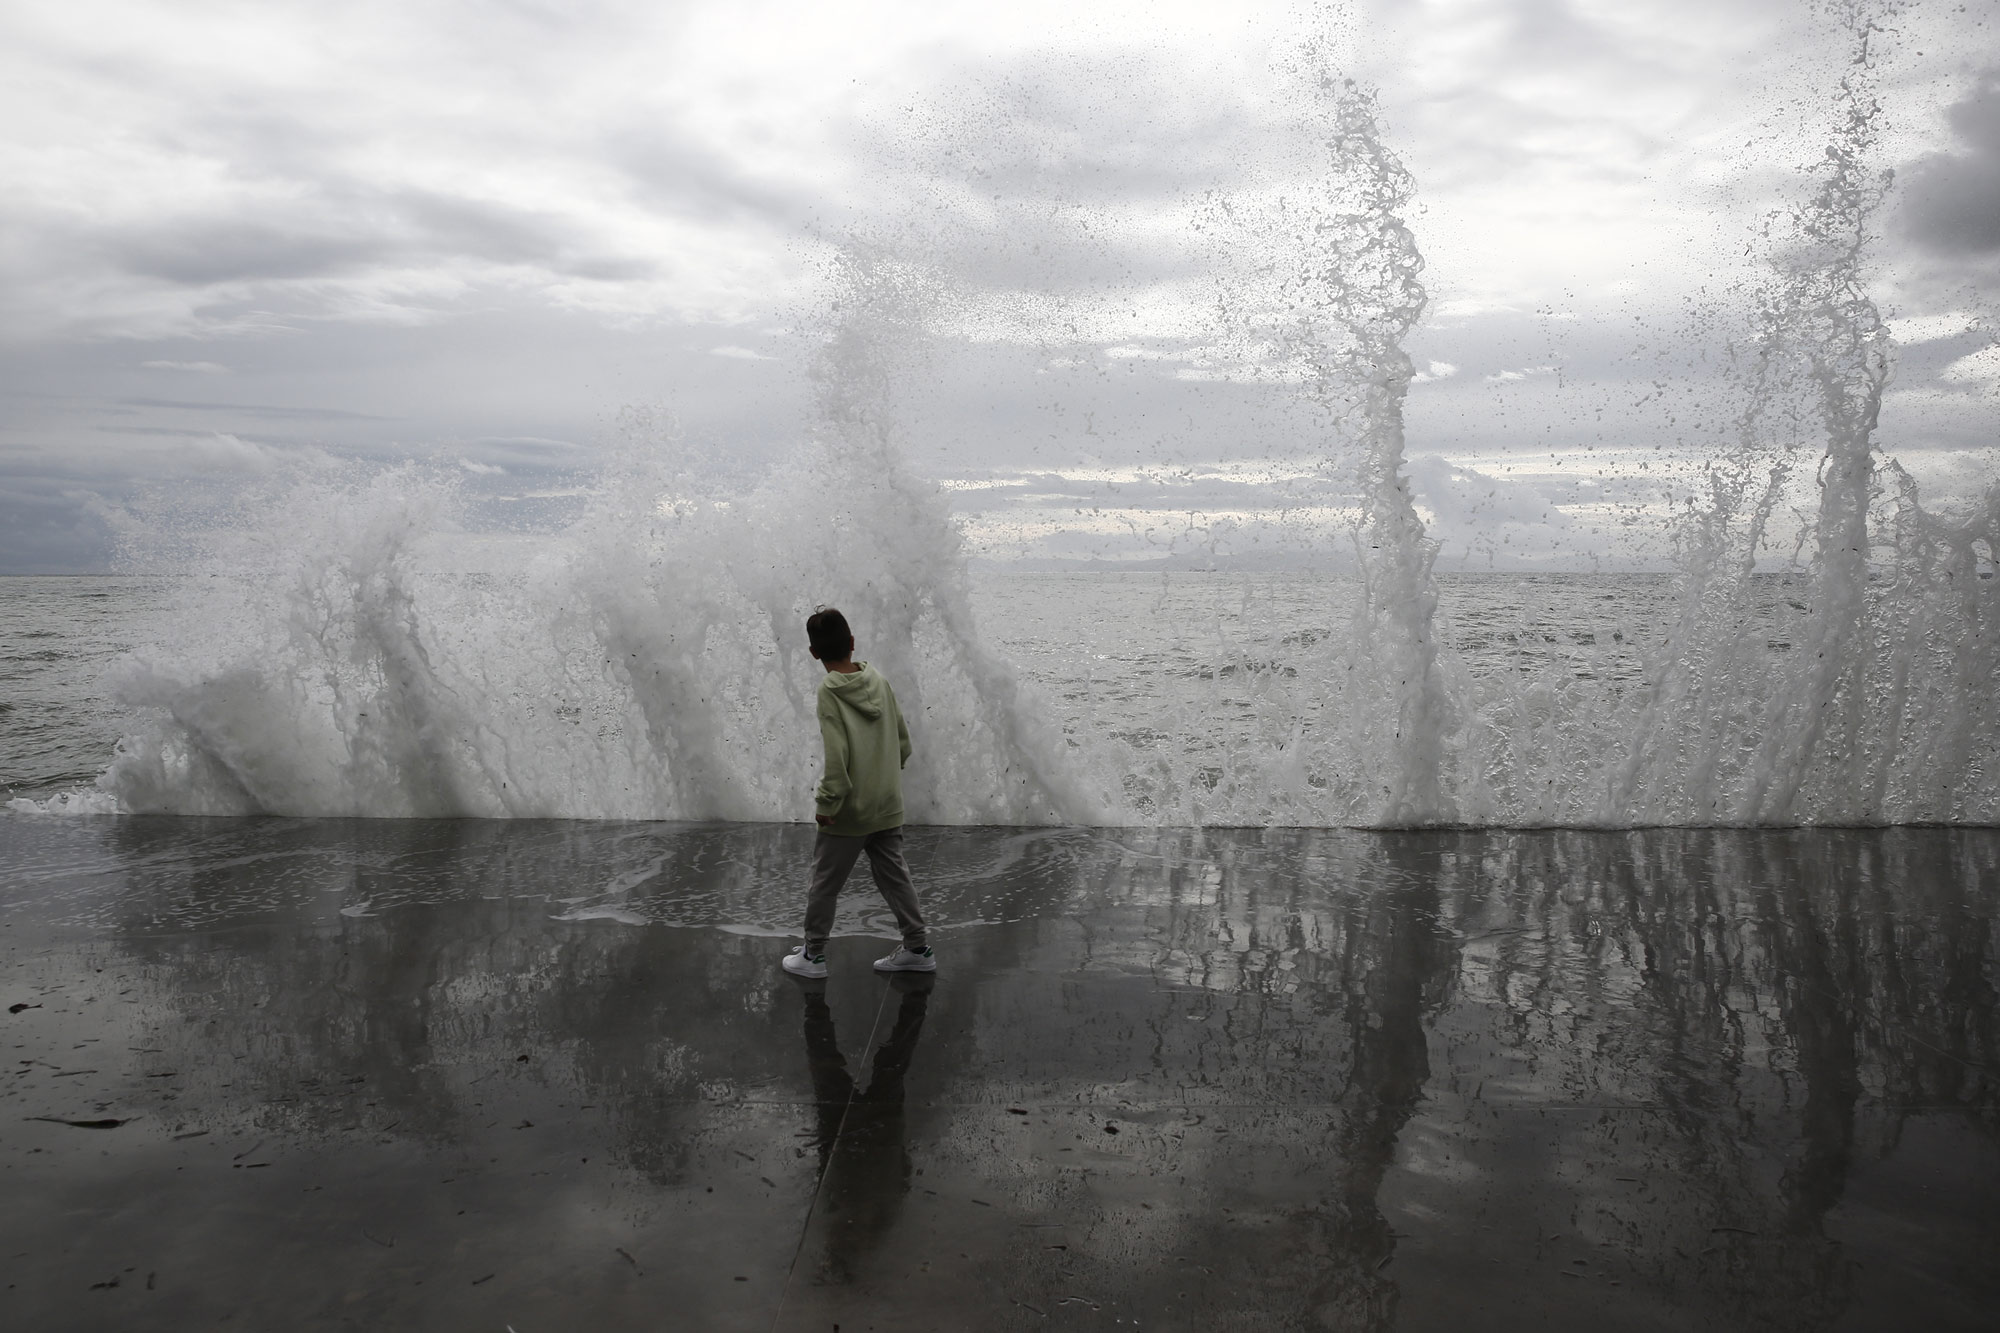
x=1513, y=376
x=195, y=367
x=1912, y=330
x=1437, y=370
x=736, y=353
x=1469, y=307
x=224, y=452
x=1982, y=366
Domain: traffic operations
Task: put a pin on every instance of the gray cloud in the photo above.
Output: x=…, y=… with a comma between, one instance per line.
x=1047, y=171
x=390, y=187
x=257, y=409
x=1462, y=498
x=202, y=252
x=344, y=231
x=669, y=171
x=449, y=225
x=1122, y=127
x=182, y=433
x=49, y=528
x=1546, y=62
x=528, y=453
x=1951, y=201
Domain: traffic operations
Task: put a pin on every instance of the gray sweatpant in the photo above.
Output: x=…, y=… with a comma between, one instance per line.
x=834, y=858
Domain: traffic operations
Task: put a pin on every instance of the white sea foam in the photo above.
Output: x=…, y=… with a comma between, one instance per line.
x=623, y=916
x=82, y=802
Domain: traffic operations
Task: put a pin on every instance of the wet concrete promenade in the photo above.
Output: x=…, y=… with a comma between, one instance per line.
x=273, y=1074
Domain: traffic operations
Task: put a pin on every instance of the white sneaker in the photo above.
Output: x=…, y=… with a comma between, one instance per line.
x=801, y=964
x=908, y=960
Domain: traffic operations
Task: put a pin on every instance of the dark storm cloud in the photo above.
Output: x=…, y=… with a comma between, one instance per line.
x=1952, y=200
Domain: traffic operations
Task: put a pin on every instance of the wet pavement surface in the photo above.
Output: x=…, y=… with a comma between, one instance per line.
x=442, y=1075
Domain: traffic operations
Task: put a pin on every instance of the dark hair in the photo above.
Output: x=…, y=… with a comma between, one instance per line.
x=831, y=639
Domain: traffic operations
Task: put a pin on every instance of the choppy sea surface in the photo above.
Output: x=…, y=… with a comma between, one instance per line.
x=1134, y=652
x=57, y=635
x=1118, y=652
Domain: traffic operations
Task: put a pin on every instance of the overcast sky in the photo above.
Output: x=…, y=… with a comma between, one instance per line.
x=246, y=237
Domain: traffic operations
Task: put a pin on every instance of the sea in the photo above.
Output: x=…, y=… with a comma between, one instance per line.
x=58, y=727
x=1128, y=655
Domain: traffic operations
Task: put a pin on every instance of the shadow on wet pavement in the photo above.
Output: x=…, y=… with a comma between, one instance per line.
x=539, y=1076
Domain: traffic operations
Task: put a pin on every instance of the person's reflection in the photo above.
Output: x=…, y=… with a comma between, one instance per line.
x=863, y=1155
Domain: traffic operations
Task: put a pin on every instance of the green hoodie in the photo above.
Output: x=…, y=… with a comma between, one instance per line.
x=866, y=748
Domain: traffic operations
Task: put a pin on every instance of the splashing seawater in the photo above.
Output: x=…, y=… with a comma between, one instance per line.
x=1882, y=710
x=648, y=660
x=1872, y=700
x=1360, y=734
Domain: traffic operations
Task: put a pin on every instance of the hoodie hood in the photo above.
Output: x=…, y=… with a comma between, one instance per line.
x=864, y=691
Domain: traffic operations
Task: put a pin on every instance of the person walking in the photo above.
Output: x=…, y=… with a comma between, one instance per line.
x=859, y=801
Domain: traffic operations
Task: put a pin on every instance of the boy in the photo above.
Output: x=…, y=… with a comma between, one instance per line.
x=859, y=801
